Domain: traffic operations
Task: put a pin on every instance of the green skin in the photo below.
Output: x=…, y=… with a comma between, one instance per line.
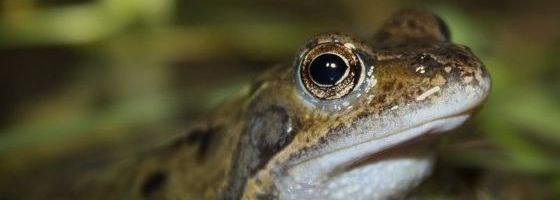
x=261, y=136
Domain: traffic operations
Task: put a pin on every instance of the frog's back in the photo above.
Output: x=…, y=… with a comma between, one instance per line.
x=193, y=166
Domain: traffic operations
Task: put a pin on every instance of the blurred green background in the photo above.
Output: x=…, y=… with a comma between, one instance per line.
x=87, y=81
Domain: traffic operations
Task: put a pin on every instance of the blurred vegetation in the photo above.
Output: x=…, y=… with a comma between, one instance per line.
x=93, y=79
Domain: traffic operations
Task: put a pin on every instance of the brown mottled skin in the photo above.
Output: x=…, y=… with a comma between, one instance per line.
x=242, y=150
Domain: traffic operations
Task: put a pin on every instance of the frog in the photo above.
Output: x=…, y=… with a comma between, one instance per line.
x=349, y=118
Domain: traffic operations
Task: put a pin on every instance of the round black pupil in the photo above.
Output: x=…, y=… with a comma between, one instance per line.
x=327, y=69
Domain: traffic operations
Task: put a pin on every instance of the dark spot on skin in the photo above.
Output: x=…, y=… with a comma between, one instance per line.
x=381, y=98
x=362, y=115
x=312, y=43
x=399, y=86
x=424, y=57
x=153, y=183
x=267, y=131
x=468, y=74
x=461, y=57
x=336, y=131
x=296, y=156
x=202, y=137
x=387, y=87
x=417, y=93
x=322, y=140
x=411, y=24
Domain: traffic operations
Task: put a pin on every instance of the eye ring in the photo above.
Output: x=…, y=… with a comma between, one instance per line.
x=330, y=70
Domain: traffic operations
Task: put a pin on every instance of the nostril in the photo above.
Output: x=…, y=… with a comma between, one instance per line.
x=425, y=63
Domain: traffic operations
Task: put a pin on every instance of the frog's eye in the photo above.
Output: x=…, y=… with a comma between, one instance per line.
x=330, y=70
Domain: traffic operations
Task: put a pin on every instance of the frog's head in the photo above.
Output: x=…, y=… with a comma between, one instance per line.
x=355, y=111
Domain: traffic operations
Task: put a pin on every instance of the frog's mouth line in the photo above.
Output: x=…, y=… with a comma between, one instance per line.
x=414, y=147
x=313, y=170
